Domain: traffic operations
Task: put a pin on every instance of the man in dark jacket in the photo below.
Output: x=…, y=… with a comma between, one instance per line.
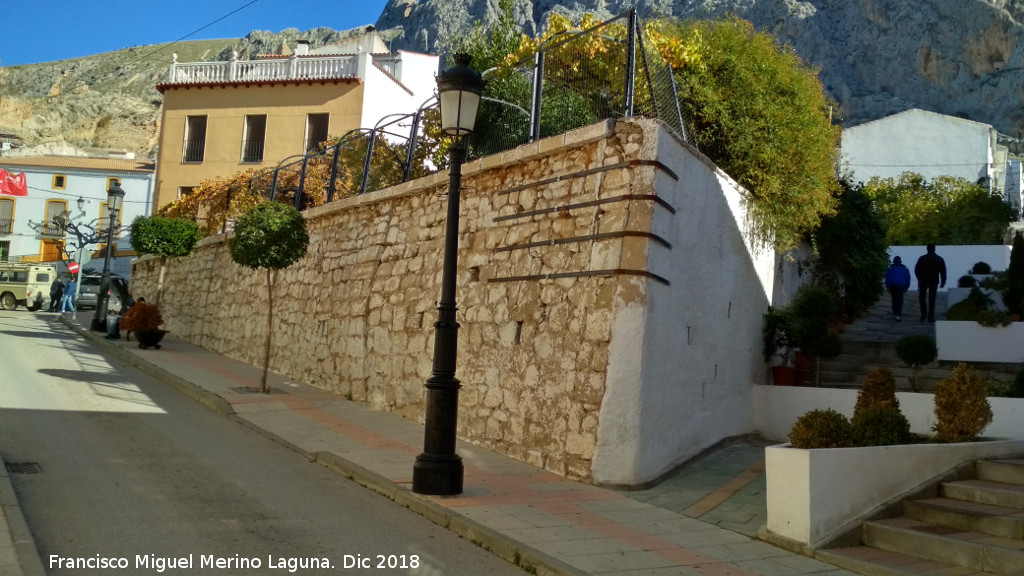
x=931, y=275
x=56, y=293
x=897, y=282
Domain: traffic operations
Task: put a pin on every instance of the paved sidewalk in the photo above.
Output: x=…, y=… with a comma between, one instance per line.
x=698, y=522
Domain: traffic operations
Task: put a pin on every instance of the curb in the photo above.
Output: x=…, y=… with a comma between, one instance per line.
x=25, y=551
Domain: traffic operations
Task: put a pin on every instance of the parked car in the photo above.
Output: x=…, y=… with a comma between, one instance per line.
x=89, y=290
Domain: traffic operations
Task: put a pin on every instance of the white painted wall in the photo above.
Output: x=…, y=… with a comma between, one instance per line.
x=959, y=259
x=681, y=367
x=384, y=97
x=918, y=141
x=1014, y=185
x=805, y=503
x=968, y=341
x=776, y=409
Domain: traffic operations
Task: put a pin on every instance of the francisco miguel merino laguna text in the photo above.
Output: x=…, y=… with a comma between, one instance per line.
x=158, y=563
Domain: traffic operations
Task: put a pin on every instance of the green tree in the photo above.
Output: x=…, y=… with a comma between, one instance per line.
x=947, y=210
x=762, y=115
x=851, y=252
x=271, y=236
x=164, y=237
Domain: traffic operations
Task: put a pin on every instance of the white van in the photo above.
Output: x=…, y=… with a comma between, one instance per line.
x=25, y=284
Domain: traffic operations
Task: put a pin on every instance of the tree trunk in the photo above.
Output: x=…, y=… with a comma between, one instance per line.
x=160, y=280
x=270, y=324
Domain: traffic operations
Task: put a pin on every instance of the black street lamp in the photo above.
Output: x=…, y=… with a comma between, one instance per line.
x=438, y=470
x=114, y=197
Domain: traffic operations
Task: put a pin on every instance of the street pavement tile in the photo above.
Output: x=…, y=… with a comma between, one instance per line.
x=667, y=571
x=738, y=551
x=650, y=513
x=613, y=505
x=564, y=548
x=613, y=561
x=715, y=537
x=671, y=526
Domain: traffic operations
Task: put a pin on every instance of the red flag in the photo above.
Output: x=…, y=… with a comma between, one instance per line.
x=12, y=185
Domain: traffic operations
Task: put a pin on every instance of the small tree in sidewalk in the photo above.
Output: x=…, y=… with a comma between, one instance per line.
x=271, y=236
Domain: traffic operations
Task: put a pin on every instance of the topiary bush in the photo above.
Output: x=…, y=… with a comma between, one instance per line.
x=966, y=282
x=877, y=391
x=981, y=268
x=916, y=351
x=993, y=318
x=880, y=426
x=1017, y=387
x=821, y=429
x=962, y=410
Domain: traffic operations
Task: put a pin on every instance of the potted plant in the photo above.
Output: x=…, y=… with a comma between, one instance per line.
x=814, y=310
x=144, y=320
x=779, y=347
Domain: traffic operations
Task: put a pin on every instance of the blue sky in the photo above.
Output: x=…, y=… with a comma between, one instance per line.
x=46, y=30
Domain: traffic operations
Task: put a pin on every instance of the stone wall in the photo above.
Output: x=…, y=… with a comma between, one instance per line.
x=553, y=240
x=610, y=302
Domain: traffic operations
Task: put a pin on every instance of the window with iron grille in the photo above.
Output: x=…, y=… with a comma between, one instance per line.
x=60, y=181
x=104, y=222
x=316, y=130
x=6, y=215
x=54, y=208
x=254, y=136
x=195, y=139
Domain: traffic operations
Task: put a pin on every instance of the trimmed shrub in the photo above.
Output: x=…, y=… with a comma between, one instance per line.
x=962, y=410
x=966, y=281
x=993, y=318
x=981, y=268
x=821, y=429
x=916, y=351
x=881, y=426
x=877, y=391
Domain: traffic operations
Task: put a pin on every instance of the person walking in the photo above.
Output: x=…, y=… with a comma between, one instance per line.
x=56, y=293
x=68, y=301
x=897, y=282
x=930, y=272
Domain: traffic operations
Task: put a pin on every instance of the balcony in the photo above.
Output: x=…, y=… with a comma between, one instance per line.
x=51, y=230
x=293, y=68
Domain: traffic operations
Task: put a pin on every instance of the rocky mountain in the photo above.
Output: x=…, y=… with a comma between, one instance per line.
x=109, y=101
x=877, y=57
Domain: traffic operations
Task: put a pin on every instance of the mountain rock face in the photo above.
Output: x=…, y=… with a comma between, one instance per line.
x=877, y=57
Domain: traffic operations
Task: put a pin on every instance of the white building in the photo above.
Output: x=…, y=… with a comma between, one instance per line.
x=927, y=143
x=74, y=184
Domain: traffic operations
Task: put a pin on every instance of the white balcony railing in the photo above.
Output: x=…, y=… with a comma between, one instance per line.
x=293, y=68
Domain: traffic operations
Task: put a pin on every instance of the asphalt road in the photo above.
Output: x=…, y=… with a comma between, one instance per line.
x=118, y=469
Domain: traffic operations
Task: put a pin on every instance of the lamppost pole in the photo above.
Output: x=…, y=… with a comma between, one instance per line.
x=114, y=196
x=439, y=470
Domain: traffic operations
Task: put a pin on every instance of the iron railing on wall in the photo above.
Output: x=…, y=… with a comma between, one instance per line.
x=558, y=89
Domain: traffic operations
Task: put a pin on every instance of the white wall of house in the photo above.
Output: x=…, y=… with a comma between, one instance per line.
x=927, y=143
x=682, y=363
x=88, y=184
x=385, y=96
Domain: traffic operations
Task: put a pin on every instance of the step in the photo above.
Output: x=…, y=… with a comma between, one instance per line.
x=972, y=516
x=947, y=545
x=1005, y=471
x=984, y=492
x=876, y=562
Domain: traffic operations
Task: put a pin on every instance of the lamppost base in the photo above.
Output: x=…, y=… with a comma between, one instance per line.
x=437, y=475
x=98, y=325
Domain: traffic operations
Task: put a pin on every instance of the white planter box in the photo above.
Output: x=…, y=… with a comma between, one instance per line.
x=816, y=495
x=972, y=342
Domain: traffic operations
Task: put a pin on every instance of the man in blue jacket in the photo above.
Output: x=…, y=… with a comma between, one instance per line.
x=897, y=282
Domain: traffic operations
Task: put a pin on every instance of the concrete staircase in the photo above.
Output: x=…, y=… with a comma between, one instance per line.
x=870, y=342
x=973, y=526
